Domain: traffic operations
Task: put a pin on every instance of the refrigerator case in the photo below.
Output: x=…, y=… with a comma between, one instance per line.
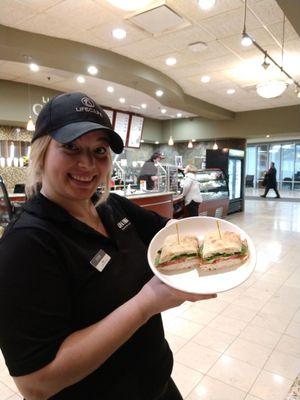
x=232, y=163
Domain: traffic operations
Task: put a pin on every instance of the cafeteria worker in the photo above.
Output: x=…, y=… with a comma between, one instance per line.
x=79, y=306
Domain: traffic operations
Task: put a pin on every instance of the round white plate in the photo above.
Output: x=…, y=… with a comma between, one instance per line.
x=202, y=282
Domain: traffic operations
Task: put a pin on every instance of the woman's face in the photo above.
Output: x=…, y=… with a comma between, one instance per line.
x=73, y=171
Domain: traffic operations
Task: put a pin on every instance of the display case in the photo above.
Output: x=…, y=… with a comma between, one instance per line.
x=126, y=177
x=214, y=189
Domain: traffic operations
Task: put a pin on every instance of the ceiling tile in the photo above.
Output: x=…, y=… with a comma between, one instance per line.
x=104, y=32
x=144, y=49
x=229, y=23
x=13, y=12
x=82, y=14
x=38, y=5
x=268, y=11
x=181, y=38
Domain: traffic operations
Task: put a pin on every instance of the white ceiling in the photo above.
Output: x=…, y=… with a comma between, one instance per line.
x=228, y=63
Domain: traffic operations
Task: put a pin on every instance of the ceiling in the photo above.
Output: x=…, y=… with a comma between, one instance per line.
x=225, y=60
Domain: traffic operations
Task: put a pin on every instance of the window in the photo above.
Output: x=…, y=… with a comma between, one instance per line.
x=287, y=165
x=262, y=162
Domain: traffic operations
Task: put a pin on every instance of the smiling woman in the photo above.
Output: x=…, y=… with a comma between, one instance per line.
x=86, y=307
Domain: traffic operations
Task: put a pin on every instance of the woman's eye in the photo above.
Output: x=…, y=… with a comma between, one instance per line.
x=101, y=151
x=70, y=146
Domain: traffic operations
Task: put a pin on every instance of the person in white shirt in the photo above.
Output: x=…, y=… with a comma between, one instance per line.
x=191, y=191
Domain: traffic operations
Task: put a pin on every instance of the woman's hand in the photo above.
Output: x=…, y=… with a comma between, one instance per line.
x=156, y=297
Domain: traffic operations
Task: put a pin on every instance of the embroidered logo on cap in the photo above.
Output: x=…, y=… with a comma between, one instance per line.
x=86, y=101
x=89, y=107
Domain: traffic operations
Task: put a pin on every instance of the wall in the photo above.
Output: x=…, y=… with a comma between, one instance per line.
x=281, y=122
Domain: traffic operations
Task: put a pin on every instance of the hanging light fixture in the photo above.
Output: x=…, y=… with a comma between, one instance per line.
x=215, y=146
x=271, y=89
x=246, y=40
x=170, y=141
x=30, y=125
x=190, y=144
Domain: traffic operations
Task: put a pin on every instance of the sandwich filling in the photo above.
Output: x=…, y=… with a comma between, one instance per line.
x=228, y=246
x=176, y=255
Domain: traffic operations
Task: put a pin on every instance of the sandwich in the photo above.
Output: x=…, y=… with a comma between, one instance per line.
x=178, y=256
x=224, y=249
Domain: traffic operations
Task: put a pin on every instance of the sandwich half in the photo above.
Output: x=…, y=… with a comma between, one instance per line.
x=225, y=251
x=178, y=256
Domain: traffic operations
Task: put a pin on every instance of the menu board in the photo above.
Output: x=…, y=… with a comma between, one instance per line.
x=121, y=125
x=135, y=131
x=110, y=115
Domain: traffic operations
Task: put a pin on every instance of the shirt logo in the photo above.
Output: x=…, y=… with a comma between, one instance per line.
x=124, y=224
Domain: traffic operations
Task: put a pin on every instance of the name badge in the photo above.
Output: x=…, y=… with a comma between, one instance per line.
x=100, y=260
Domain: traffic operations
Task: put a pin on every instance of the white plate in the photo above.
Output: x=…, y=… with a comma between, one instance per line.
x=204, y=282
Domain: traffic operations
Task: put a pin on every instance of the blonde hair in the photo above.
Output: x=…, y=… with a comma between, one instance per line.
x=36, y=168
x=191, y=168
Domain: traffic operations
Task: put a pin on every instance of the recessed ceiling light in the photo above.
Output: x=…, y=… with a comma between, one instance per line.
x=205, y=78
x=122, y=100
x=144, y=105
x=157, y=142
x=206, y=4
x=119, y=33
x=268, y=136
x=230, y=91
x=193, y=140
x=163, y=110
x=34, y=67
x=129, y=5
x=110, y=89
x=80, y=79
x=159, y=93
x=171, y=61
x=178, y=115
x=142, y=141
x=92, y=70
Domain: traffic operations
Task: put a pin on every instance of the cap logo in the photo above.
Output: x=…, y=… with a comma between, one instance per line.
x=86, y=101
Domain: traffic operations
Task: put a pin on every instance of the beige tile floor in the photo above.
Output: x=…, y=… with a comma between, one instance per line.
x=244, y=345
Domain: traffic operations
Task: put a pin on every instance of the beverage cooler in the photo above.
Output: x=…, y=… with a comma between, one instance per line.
x=232, y=163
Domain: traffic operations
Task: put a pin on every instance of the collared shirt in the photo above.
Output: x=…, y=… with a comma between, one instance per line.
x=49, y=289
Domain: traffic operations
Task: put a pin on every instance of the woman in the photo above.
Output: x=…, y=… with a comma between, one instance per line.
x=191, y=191
x=79, y=307
x=149, y=171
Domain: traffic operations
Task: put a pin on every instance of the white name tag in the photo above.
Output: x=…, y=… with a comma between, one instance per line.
x=100, y=260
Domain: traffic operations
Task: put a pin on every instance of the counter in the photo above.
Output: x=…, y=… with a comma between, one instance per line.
x=160, y=202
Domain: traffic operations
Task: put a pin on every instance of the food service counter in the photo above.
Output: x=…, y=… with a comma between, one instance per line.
x=160, y=202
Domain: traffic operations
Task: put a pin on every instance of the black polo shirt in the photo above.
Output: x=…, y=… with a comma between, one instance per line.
x=49, y=289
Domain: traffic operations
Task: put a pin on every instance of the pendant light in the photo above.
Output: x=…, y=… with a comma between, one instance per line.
x=215, y=146
x=171, y=141
x=30, y=125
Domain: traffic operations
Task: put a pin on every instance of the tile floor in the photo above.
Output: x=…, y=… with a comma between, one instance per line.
x=244, y=345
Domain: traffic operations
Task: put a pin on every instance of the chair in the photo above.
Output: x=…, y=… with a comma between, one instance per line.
x=287, y=183
x=249, y=180
x=19, y=188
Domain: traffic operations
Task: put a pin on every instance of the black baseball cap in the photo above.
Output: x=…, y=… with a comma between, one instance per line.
x=68, y=116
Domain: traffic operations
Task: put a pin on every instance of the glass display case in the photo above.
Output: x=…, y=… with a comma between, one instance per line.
x=213, y=184
x=125, y=177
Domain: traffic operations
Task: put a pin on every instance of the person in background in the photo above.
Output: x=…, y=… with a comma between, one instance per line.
x=79, y=306
x=191, y=191
x=149, y=171
x=270, y=181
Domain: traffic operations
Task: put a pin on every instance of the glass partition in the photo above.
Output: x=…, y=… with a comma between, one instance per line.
x=287, y=166
x=262, y=163
x=297, y=168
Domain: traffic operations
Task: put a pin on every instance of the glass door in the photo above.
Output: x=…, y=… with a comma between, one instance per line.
x=235, y=178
